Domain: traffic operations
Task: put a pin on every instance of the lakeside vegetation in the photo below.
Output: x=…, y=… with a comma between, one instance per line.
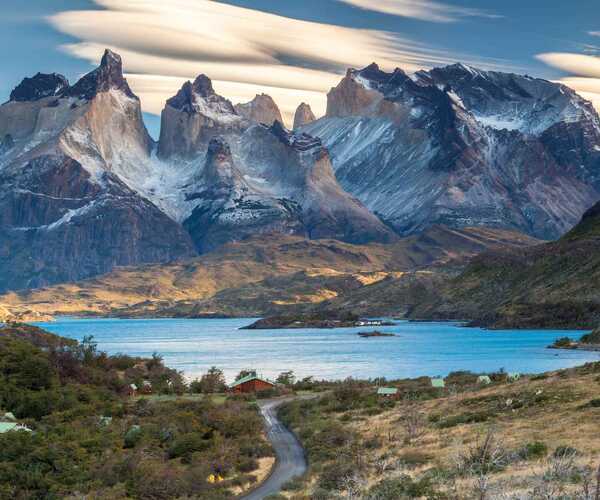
x=90, y=439
x=588, y=342
x=484, y=437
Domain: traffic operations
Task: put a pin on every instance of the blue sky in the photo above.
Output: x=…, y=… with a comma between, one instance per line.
x=301, y=50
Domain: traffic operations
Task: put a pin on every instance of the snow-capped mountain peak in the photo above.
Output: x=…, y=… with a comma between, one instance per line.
x=462, y=146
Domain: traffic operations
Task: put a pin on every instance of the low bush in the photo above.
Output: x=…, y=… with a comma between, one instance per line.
x=563, y=342
x=414, y=458
x=334, y=474
x=403, y=487
x=295, y=484
x=247, y=464
x=533, y=451
x=463, y=418
x=487, y=457
x=564, y=452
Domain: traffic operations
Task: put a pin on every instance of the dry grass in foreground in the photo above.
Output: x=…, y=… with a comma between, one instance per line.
x=537, y=438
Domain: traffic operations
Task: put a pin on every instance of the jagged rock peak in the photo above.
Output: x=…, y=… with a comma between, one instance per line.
x=375, y=74
x=203, y=86
x=261, y=109
x=299, y=141
x=186, y=98
x=109, y=75
x=39, y=86
x=304, y=115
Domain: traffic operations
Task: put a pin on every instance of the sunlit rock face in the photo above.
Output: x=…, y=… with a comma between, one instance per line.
x=69, y=158
x=303, y=116
x=463, y=147
x=261, y=109
x=193, y=117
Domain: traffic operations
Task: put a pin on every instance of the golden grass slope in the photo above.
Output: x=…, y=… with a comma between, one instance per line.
x=316, y=268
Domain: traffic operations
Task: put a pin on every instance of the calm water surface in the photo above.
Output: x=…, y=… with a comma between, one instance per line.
x=193, y=346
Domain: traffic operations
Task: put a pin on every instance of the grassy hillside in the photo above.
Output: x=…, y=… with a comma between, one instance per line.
x=91, y=440
x=261, y=275
x=551, y=285
x=531, y=439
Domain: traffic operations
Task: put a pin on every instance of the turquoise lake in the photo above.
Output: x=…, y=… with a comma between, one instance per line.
x=193, y=346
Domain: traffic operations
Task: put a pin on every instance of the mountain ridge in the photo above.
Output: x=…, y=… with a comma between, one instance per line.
x=462, y=147
x=86, y=189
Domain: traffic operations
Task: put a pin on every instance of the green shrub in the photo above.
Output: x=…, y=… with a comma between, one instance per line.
x=247, y=465
x=532, y=451
x=414, y=458
x=333, y=474
x=133, y=436
x=294, y=484
x=403, y=487
x=464, y=418
x=187, y=444
x=563, y=342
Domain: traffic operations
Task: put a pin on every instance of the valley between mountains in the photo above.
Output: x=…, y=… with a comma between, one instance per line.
x=453, y=193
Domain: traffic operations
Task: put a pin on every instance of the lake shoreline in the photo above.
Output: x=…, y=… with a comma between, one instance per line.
x=416, y=349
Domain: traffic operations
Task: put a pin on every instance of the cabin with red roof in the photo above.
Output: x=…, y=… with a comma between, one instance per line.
x=249, y=384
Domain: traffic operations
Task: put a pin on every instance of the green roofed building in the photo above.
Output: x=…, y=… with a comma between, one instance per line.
x=438, y=383
x=513, y=377
x=12, y=426
x=387, y=391
x=484, y=380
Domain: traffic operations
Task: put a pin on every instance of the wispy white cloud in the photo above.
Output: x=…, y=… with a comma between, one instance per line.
x=594, y=33
x=586, y=69
x=425, y=10
x=243, y=50
x=576, y=64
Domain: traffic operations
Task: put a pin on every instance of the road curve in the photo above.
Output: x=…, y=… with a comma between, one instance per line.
x=291, y=461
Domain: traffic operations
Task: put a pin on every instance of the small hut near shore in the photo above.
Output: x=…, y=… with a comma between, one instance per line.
x=250, y=383
x=387, y=392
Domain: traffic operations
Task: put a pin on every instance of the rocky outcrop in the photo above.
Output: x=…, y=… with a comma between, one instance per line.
x=193, y=117
x=229, y=209
x=308, y=178
x=463, y=147
x=68, y=167
x=303, y=116
x=237, y=200
x=108, y=76
x=39, y=86
x=261, y=109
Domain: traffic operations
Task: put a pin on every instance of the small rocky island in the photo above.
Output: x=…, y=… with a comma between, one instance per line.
x=588, y=342
x=317, y=320
x=368, y=335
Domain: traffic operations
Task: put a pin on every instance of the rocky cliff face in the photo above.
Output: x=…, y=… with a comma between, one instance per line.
x=193, y=117
x=69, y=161
x=462, y=147
x=261, y=109
x=244, y=177
x=303, y=116
x=228, y=208
x=280, y=182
